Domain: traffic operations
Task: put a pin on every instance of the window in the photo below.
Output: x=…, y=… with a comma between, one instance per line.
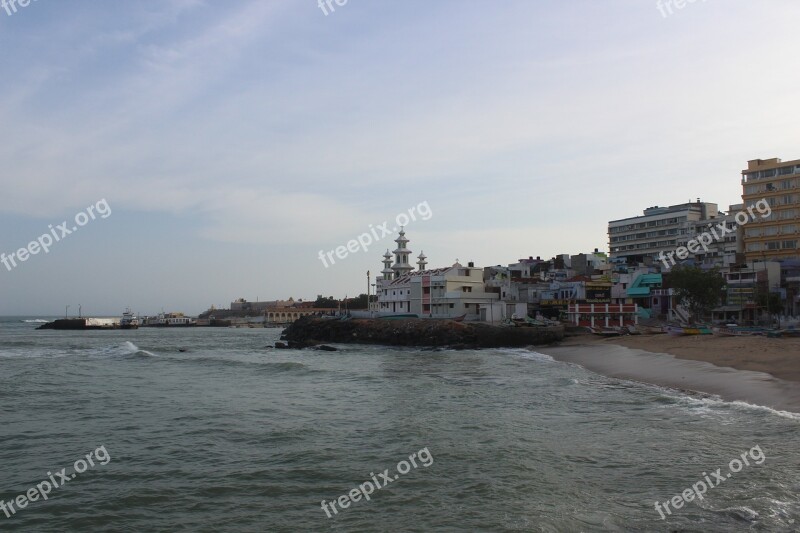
x=789, y=245
x=452, y=306
x=774, y=245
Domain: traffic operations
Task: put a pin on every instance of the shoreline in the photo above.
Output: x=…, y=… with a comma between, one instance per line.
x=755, y=370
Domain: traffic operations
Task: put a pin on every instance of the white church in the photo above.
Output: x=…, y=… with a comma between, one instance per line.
x=449, y=292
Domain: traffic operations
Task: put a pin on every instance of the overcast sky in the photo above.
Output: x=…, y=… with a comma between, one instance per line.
x=234, y=140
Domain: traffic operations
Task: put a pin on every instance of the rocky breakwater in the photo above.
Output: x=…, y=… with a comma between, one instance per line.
x=310, y=331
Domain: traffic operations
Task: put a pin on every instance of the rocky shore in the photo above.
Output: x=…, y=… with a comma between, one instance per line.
x=311, y=331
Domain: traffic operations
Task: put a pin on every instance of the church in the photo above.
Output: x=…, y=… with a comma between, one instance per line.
x=448, y=292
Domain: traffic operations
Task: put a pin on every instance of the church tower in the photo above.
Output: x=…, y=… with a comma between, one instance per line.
x=421, y=261
x=401, y=265
x=388, y=273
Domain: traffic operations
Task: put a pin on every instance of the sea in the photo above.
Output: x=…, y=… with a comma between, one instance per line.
x=212, y=429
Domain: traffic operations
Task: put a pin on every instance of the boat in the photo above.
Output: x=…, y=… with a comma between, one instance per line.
x=128, y=321
x=739, y=331
x=677, y=331
x=400, y=316
x=784, y=333
x=649, y=330
x=606, y=332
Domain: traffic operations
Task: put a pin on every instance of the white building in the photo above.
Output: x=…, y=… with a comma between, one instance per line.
x=721, y=251
x=658, y=230
x=447, y=292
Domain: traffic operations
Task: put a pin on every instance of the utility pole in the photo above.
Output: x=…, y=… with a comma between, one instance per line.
x=66, y=312
x=368, y=279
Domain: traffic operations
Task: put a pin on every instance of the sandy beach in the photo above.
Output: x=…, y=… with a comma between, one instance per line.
x=757, y=370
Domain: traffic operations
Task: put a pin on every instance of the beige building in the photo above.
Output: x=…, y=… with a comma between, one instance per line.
x=777, y=182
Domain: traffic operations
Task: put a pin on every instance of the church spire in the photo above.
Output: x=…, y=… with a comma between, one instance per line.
x=401, y=265
x=421, y=261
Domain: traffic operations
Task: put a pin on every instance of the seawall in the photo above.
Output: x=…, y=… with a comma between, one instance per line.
x=308, y=331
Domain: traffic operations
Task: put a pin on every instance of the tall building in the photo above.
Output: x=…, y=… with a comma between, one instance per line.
x=659, y=230
x=722, y=250
x=778, y=183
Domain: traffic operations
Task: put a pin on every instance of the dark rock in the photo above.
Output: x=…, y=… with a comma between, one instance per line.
x=281, y=346
x=310, y=331
x=326, y=348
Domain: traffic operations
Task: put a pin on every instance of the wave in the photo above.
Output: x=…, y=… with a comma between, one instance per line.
x=34, y=321
x=707, y=403
x=525, y=353
x=125, y=349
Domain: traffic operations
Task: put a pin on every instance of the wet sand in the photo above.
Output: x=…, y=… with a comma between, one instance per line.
x=755, y=370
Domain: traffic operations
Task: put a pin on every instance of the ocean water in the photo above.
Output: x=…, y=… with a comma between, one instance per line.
x=230, y=435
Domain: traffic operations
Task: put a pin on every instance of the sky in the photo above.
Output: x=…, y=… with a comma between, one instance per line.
x=227, y=144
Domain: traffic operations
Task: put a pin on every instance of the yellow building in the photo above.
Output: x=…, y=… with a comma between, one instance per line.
x=778, y=183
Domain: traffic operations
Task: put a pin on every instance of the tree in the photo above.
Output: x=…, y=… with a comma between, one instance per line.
x=697, y=290
x=357, y=303
x=326, y=303
x=771, y=302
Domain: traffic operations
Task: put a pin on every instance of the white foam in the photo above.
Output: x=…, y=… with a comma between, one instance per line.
x=126, y=348
x=713, y=403
x=524, y=353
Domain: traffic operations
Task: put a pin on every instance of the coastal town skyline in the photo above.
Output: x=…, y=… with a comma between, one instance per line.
x=231, y=146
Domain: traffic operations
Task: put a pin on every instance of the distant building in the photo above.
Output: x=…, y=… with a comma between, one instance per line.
x=777, y=182
x=658, y=231
x=243, y=305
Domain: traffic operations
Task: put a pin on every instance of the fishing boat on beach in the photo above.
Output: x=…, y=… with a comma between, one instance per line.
x=678, y=331
x=739, y=331
x=608, y=332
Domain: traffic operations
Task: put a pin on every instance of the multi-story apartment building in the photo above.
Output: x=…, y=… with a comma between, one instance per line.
x=721, y=252
x=777, y=182
x=659, y=230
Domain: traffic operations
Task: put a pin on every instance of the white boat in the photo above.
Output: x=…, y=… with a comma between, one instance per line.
x=128, y=321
